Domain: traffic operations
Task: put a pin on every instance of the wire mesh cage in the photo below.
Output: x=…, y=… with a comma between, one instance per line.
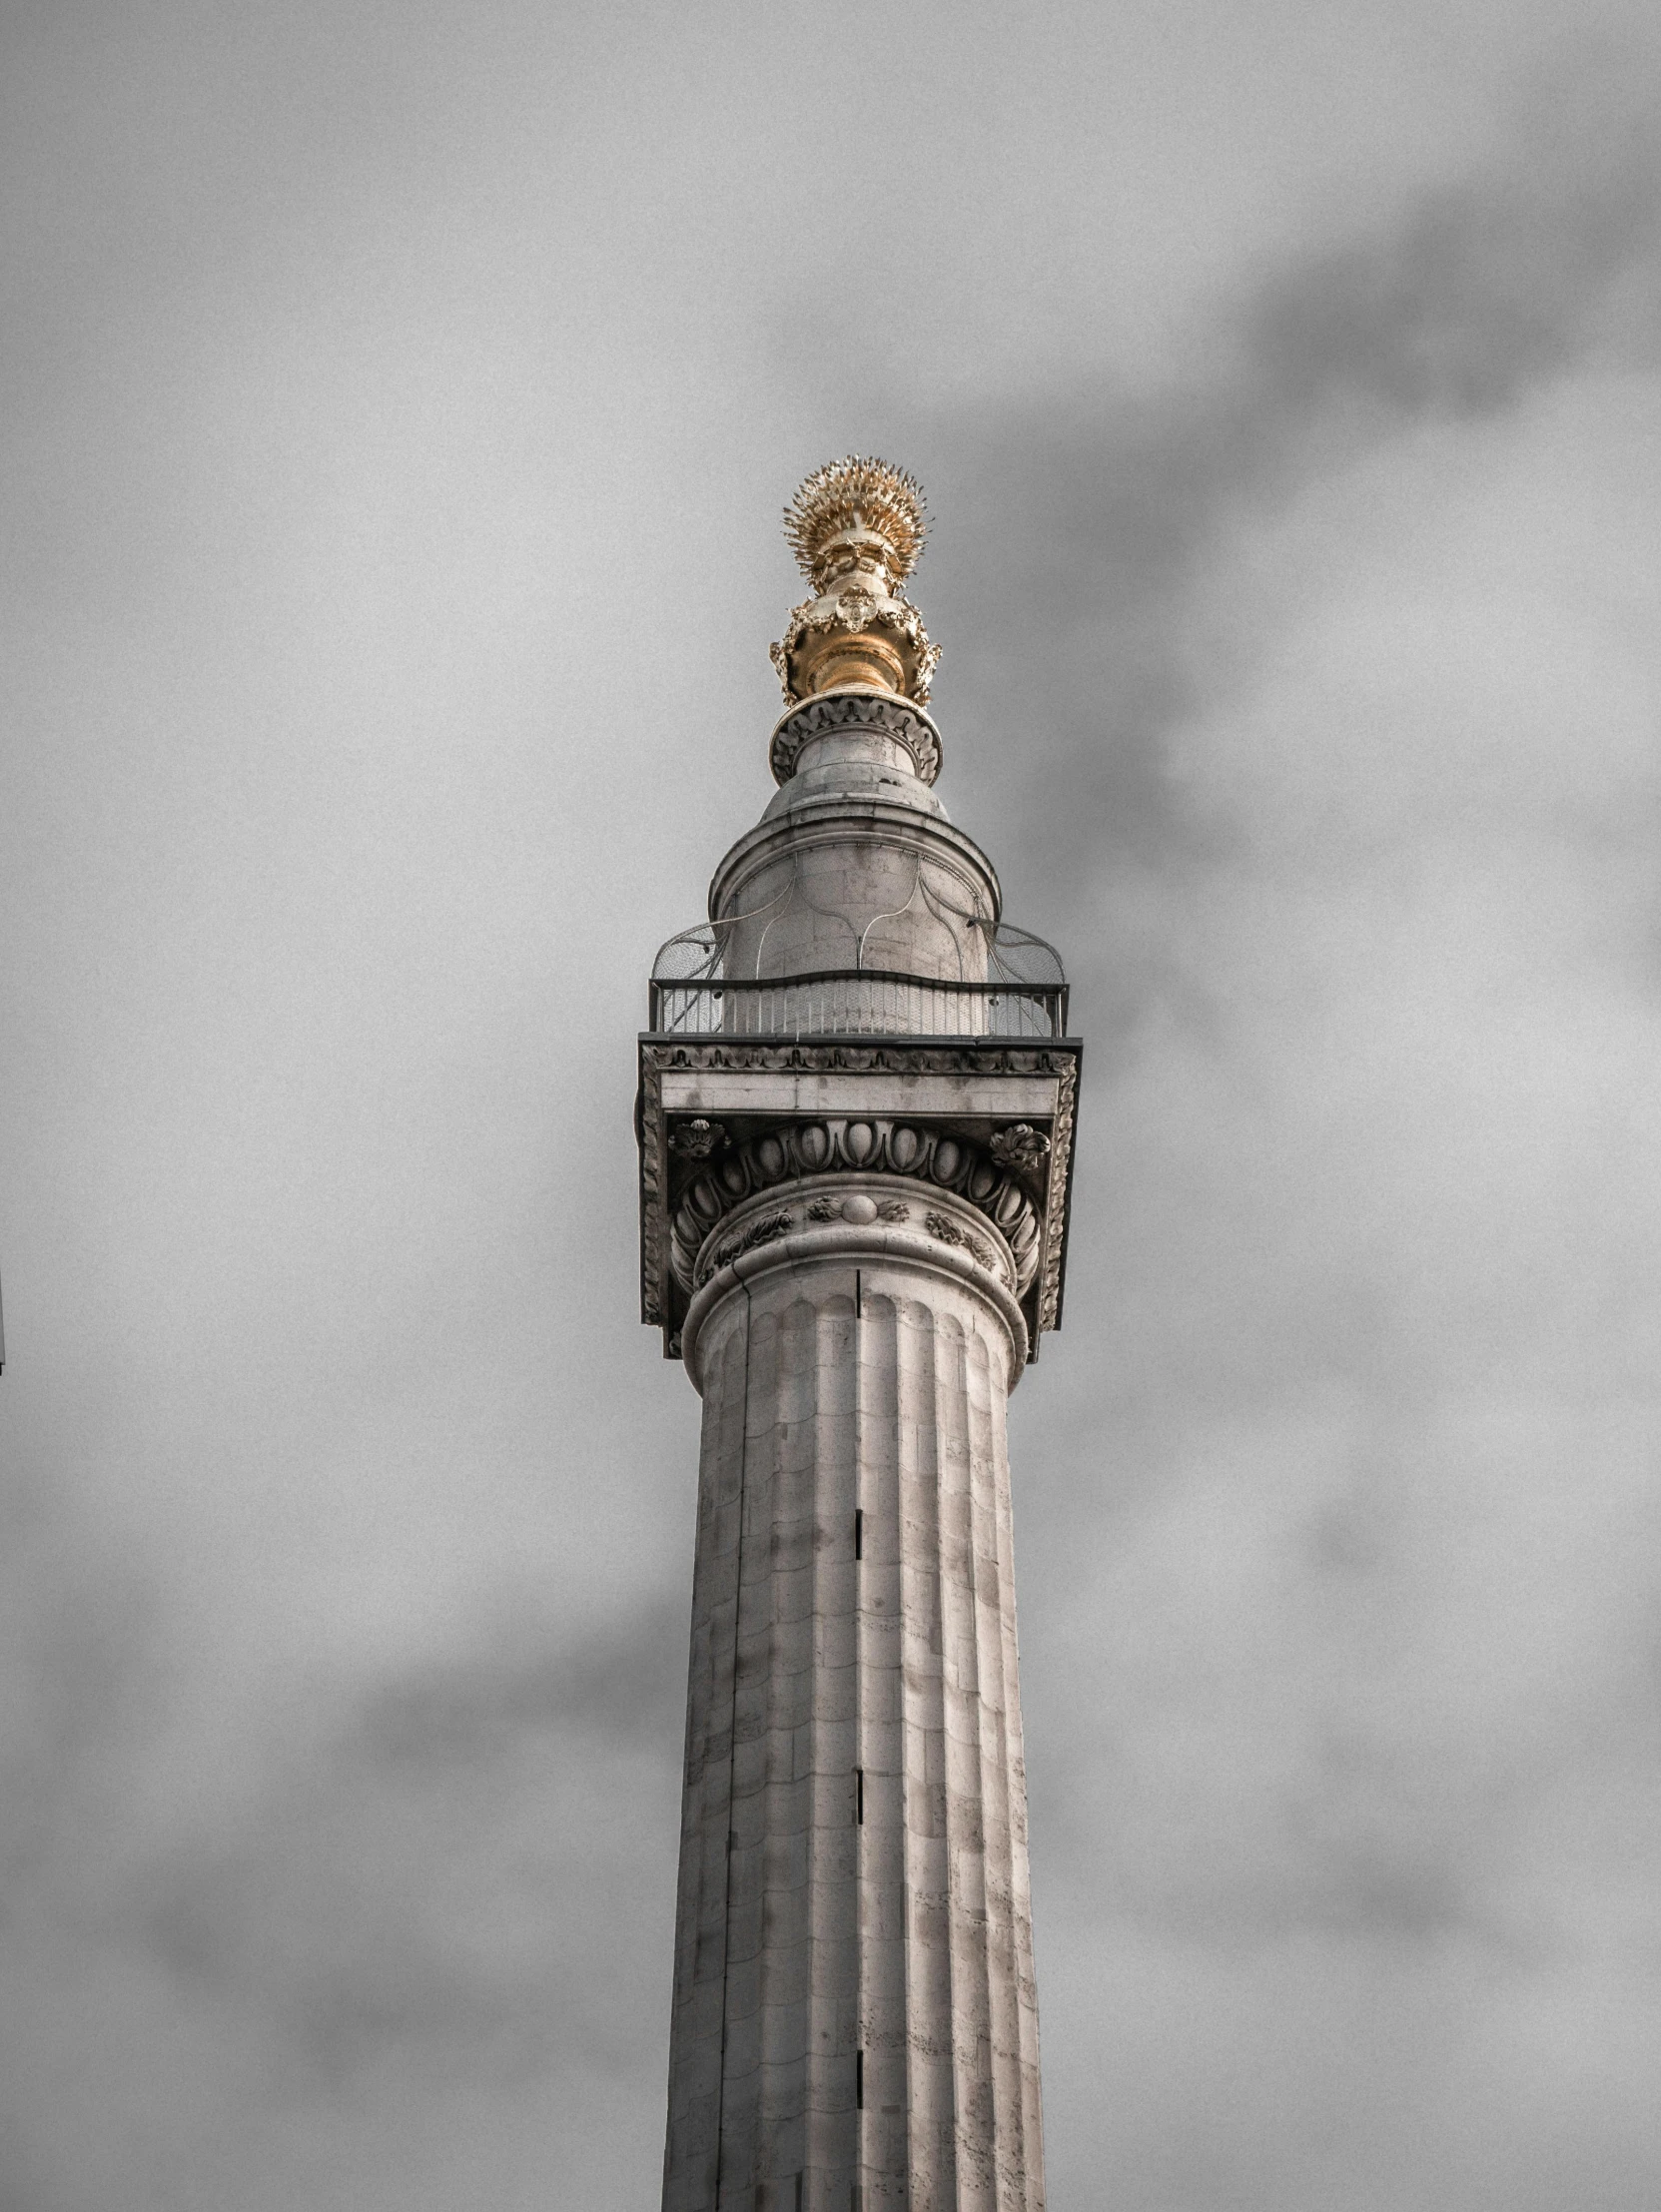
x=1023, y=994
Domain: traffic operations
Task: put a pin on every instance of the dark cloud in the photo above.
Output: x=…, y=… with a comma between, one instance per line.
x=1081, y=529
x=451, y=1873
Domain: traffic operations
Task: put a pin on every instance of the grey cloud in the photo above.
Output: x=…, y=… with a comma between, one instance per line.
x=465, y=1867
x=623, y=1685
x=1072, y=648
x=1495, y=285
x=23, y=2186
x=85, y=1684
x=1337, y=1601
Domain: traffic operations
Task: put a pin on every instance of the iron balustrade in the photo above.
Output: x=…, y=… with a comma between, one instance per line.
x=855, y=1002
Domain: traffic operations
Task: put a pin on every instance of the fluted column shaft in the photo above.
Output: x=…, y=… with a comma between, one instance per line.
x=855, y=2022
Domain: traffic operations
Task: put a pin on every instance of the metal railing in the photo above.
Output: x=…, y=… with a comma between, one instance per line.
x=856, y=1001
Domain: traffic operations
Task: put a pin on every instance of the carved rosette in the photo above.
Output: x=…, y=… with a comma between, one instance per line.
x=898, y=719
x=792, y=1162
x=1020, y=1147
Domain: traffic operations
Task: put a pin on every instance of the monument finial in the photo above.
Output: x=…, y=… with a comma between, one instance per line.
x=856, y=506
x=857, y=527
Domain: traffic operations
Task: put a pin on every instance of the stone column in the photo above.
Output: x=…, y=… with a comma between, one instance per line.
x=856, y=1119
x=855, y=2024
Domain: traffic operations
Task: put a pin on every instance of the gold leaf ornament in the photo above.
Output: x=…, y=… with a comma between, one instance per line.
x=857, y=527
x=853, y=499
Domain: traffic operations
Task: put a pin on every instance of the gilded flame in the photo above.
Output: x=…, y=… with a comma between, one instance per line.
x=852, y=506
x=857, y=527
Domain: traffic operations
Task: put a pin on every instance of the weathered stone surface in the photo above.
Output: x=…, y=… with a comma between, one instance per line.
x=854, y=1996
x=854, y=880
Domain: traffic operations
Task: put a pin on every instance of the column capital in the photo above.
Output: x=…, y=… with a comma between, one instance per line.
x=737, y=1127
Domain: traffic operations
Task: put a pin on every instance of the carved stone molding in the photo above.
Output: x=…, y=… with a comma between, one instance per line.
x=764, y=1231
x=806, y=1150
x=654, y=1172
x=896, y=1054
x=858, y=1202
x=861, y=1207
x=945, y=1230
x=752, y=1088
x=697, y=1139
x=906, y=724
x=1060, y=1194
x=1020, y=1147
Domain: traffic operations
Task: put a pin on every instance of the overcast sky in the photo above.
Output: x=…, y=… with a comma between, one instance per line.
x=397, y=407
